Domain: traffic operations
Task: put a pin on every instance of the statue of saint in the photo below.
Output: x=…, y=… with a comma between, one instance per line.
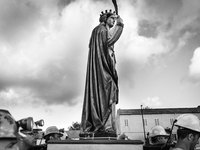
x=101, y=87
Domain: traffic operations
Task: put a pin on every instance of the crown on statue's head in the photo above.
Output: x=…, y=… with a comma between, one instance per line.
x=107, y=12
x=105, y=15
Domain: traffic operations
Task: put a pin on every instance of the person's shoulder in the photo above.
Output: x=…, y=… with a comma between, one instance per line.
x=177, y=148
x=100, y=28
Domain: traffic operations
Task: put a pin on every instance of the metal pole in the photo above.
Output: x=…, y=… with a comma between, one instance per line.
x=143, y=124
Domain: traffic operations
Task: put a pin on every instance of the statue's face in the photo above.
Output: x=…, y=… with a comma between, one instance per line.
x=111, y=21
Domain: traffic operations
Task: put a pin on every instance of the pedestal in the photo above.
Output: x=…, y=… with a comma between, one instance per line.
x=95, y=145
x=98, y=136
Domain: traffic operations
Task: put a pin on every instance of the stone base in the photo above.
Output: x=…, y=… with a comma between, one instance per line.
x=95, y=145
x=98, y=136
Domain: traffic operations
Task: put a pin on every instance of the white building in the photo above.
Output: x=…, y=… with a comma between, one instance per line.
x=129, y=121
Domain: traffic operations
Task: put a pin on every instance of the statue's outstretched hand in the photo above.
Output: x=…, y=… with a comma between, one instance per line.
x=119, y=19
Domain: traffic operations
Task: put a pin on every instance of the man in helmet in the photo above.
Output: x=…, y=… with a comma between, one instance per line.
x=8, y=131
x=101, y=86
x=10, y=136
x=158, y=136
x=36, y=130
x=188, y=132
x=52, y=133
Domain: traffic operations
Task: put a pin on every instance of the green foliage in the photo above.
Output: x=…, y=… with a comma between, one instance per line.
x=75, y=126
x=147, y=107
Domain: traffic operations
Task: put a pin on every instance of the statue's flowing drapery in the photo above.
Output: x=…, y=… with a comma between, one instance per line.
x=101, y=87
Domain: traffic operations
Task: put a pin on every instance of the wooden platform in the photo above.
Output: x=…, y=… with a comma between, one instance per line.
x=99, y=144
x=98, y=136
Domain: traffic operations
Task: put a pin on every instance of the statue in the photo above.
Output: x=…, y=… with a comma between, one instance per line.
x=101, y=87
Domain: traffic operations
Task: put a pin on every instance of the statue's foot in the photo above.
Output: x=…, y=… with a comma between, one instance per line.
x=110, y=130
x=99, y=130
x=86, y=134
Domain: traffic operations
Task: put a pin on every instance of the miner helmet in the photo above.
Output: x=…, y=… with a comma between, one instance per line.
x=188, y=121
x=8, y=126
x=157, y=131
x=51, y=130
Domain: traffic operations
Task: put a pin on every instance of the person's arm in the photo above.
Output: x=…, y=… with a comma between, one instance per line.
x=117, y=31
x=29, y=140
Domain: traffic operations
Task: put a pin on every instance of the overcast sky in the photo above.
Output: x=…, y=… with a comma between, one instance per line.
x=44, y=48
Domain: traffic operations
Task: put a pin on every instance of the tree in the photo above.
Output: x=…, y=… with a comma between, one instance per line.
x=75, y=126
x=147, y=107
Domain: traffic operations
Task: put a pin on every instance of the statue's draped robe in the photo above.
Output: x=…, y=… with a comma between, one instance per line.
x=101, y=87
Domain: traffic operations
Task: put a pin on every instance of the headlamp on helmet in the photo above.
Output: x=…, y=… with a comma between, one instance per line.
x=39, y=123
x=26, y=123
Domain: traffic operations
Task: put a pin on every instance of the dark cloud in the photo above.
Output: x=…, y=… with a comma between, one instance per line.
x=127, y=70
x=56, y=83
x=157, y=15
x=164, y=8
x=63, y=3
x=57, y=80
x=54, y=48
x=18, y=19
x=147, y=29
x=63, y=84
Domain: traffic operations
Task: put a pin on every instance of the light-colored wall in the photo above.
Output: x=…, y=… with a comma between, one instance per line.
x=132, y=126
x=95, y=146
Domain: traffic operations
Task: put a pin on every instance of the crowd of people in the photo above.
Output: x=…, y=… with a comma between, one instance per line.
x=188, y=133
x=35, y=139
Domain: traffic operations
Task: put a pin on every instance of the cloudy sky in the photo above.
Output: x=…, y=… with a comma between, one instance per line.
x=44, y=48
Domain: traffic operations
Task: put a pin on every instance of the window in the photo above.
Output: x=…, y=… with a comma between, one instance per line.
x=156, y=122
x=171, y=121
x=126, y=122
x=145, y=122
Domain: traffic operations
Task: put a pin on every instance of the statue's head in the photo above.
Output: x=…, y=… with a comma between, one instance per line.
x=105, y=15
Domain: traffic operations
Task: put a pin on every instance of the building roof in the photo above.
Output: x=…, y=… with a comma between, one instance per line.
x=158, y=111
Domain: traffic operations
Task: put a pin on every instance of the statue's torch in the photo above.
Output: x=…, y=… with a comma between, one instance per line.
x=115, y=5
